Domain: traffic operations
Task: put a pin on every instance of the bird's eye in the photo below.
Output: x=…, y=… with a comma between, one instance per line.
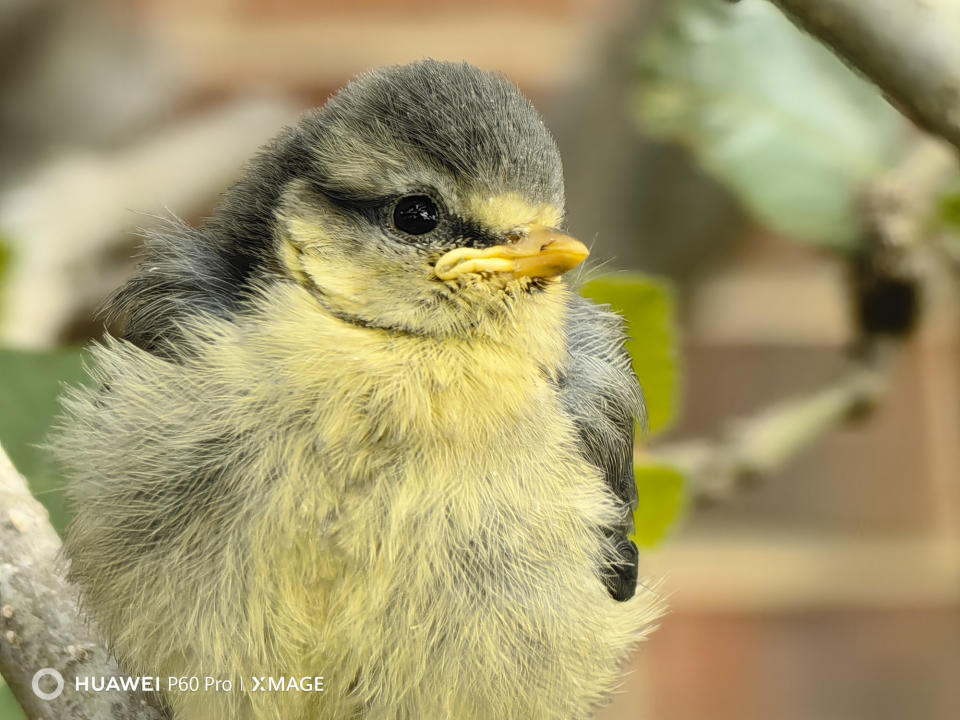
x=416, y=214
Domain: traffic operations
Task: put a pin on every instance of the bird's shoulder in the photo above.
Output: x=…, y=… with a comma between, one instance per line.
x=210, y=270
x=181, y=274
x=601, y=392
x=602, y=395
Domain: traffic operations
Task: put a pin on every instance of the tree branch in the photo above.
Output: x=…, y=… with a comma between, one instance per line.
x=40, y=626
x=760, y=445
x=895, y=211
x=908, y=48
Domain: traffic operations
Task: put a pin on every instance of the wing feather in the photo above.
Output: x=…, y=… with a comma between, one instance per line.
x=602, y=394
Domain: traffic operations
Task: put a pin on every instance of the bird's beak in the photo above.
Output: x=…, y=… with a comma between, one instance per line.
x=541, y=253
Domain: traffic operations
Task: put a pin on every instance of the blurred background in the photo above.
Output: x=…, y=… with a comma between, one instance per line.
x=782, y=241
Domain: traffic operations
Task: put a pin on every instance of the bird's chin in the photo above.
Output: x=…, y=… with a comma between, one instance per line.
x=498, y=284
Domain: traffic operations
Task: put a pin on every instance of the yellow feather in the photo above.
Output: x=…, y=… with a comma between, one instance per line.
x=503, y=213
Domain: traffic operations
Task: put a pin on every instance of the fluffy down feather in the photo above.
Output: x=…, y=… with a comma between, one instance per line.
x=433, y=522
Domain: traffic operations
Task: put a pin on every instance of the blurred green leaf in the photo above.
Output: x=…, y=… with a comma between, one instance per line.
x=946, y=222
x=647, y=305
x=769, y=112
x=5, y=254
x=663, y=499
x=9, y=708
x=29, y=385
x=949, y=210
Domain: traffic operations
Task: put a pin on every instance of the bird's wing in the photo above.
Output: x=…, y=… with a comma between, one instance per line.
x=180, y=275
x=602, y=394
x=211, y=270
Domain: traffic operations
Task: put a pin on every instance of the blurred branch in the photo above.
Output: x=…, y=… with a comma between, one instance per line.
x=40, y=626
x=887, y=280
x=61, y=222
x=900, y=239
x=907, y=47
x=896, y=207
x=763, y=444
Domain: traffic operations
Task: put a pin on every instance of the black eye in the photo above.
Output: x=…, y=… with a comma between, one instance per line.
x=415, y=214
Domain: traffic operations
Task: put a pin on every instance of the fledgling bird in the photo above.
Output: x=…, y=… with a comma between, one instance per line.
x=356, y=426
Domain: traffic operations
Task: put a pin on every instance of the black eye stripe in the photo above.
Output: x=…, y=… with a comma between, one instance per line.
x=370, y=208
x=416, y=214
x=474, y=235
x=464, y=232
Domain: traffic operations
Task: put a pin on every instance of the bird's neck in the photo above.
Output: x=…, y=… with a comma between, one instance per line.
x=411, y=382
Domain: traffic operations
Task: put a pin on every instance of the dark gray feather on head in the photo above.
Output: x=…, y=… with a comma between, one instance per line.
x=475, y=126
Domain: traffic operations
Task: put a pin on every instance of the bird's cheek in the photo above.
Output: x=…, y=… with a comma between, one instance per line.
x=336, y=275
x=291, y=256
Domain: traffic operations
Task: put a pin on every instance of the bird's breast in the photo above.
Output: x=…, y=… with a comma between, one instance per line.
x=410, y=451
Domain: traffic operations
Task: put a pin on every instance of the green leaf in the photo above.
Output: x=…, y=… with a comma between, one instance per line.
x=647, y=305
x=9, y=707
x=5, y=259
x=769, y=112
x=946, y=221
x=663, y=499
x=949, y=210
x=29, y=388
x=5, y=253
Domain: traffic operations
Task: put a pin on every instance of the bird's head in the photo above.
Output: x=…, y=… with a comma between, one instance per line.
x=422, y=198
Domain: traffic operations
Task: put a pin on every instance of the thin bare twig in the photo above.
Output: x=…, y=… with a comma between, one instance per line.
x=757, y=446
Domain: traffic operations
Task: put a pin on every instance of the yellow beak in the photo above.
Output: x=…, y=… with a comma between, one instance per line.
x=541, y=253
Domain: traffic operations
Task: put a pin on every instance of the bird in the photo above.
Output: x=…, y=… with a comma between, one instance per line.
x=354, y=447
